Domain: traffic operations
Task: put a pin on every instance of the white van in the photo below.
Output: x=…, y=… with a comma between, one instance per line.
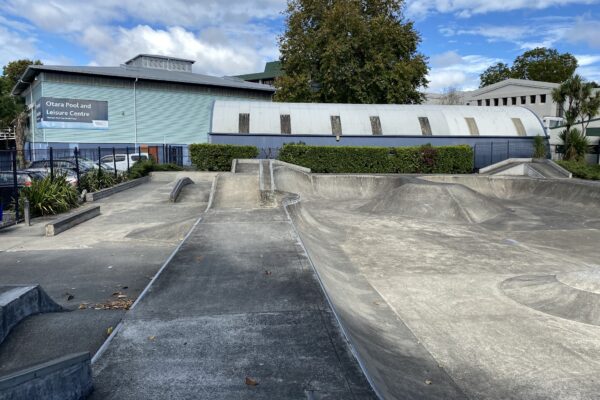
x=120, y=160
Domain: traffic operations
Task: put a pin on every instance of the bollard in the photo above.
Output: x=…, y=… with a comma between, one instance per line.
x=26, y=211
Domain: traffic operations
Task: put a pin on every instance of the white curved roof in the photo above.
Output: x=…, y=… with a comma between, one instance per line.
x=315, y=119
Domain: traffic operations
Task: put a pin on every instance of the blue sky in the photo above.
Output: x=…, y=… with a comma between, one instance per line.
x=460, y=37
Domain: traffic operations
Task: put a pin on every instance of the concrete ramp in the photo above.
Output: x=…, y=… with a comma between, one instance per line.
x=236, y=191
x=19, y=302
x=529, y=167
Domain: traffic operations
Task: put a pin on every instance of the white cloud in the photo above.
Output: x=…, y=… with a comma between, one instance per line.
x=15, y=46
x=466, y=8
x=223, y=36
x=450, y=69
x=585, y=29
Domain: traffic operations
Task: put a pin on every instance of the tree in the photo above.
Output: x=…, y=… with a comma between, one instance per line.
x=12, y=109
x=539, y=64
x=494, y=74
x=542, y=64
x=451, y=96
x=350, y=51
x=579, y=104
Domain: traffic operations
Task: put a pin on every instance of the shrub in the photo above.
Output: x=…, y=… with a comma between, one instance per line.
x=167, y=167
x=218, y=157
x=141, y=168
x=581, y=169
x=575, y=144
x=96, y=180
x=539, y=147
x=348, y=159
x=48, y=197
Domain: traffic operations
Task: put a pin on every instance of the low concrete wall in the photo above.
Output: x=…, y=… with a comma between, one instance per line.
x=72, y=219
x=66, y=378
x=178, y=187
x=18, y=302
x=115, y=189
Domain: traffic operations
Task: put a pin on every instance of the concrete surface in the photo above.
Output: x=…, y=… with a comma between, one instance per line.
x=66, y=378
x=101, y=194
x=88, y=266
x=239, y=300
x=443, y=306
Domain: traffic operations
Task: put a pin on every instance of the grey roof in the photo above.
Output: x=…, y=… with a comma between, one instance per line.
x=150, y=74
x=159, y=56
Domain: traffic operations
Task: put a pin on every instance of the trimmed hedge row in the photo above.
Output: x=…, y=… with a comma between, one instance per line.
x=405, y=160
x=218, y=157
x=581, y=169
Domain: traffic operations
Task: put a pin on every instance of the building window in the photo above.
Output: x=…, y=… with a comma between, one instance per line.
x=425, y=127
x=505, y=101
x=519, y=126
x=286, y=124
x=542, y=98
x=532, y=99
x=514, y=101
x=336, y=125
x=473, y=129
x=523, y=99
x=244, y=125
x=375, y=126
x=496, y=102
x=487, y=102
x=479, y=102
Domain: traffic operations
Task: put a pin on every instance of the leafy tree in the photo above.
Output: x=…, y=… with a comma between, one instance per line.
x=542, y=64
x=350, y=51
x=494, y=74
x=539, y=64
x=580, y=104
x=12, y=109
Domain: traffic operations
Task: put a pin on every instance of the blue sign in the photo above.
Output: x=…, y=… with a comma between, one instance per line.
x=52, y=112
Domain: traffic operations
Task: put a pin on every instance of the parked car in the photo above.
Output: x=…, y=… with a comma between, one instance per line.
x=120, y=160
x=24, y=179
x=70, y=175
x=85, y=165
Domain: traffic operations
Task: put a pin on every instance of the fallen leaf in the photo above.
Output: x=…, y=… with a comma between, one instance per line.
x=82, y=306
x=151, y=337
x=251, y=382
x=122, y=296
x=109, y=330
x=427, y=382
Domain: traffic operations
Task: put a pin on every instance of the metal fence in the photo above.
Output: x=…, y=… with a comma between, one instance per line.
x=19, y=168
x=489, y=153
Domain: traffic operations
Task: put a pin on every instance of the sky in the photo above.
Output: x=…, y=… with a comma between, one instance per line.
x=461, y=38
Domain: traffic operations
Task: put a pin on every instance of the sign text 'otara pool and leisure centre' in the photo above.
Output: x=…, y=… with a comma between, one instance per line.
x=54, y=112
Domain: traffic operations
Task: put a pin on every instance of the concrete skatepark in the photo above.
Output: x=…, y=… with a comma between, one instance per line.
x=364, y=286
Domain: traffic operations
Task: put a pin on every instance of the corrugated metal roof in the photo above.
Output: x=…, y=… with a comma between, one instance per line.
x=355, y=119
x=140, y=73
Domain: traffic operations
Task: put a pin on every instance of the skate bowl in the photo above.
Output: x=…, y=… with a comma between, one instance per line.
x=451, y=287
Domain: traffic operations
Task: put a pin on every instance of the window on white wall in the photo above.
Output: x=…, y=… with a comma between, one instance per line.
x=375, y=126
x=425, y=126
x=336, y=125
x=473, y=129
x=519, y=126
x=244, y=123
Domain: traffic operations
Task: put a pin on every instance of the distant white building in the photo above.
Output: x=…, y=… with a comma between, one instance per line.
x=533, y=95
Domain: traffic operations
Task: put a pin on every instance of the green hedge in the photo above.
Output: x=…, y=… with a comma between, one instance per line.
x=218, y=157
x=581, y=169
x=350, y=159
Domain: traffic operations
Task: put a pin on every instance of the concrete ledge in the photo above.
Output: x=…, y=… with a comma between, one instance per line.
x=72, y=219
x=291, y=166
x=65, y=378
x=19, y=302
x=115, y=189
x=178, y=187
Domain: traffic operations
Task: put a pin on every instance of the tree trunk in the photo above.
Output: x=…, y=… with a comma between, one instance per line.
x=20, y=122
